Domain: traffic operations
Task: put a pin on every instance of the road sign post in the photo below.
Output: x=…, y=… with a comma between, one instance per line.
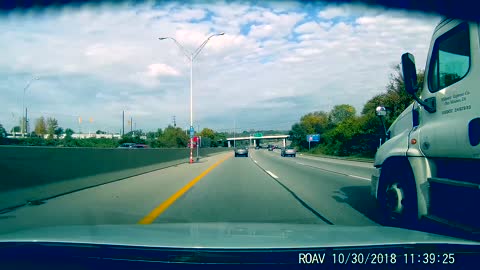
x=192, y=131
x=312, y=138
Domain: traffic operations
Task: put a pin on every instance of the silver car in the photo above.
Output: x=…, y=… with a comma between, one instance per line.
x=288, y=152
x=241, y=151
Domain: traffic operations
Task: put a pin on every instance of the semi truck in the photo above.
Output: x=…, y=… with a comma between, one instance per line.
x=429, y=165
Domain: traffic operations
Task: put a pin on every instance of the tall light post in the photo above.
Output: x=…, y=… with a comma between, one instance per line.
x=191, y=56
x=24, y=110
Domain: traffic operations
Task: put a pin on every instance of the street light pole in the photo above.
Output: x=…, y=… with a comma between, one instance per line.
x=24, y=110
x=191, y=56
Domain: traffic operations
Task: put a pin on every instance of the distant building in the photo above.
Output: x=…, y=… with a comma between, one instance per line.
x=89, y=135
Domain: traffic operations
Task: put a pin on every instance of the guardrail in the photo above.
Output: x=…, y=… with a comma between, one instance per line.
x=36, y=173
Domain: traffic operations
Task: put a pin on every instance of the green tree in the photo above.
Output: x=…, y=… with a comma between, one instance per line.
x=68, y=133
x=52, y=125
x=16, y=129
x=219, y=139
x=3, y=132
x=348, y=134
x=173, y=137
x=340, y=113
x=311, y=123
x=207, y=133
x=40, y=126
x=151, y=135
x=59, y=131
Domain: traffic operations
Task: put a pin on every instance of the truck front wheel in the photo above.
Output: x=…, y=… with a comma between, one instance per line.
x=397, y=196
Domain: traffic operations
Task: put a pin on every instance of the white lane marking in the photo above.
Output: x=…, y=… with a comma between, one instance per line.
x=359, y=177
x=254, y=161
x=351, y=175
x=272, y=175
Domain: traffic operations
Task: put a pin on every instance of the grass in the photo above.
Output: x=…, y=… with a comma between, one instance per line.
x=320, y=152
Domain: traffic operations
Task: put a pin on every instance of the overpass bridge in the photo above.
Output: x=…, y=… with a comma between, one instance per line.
x=255, y=140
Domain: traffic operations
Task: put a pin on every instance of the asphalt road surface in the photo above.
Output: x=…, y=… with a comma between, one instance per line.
x=264, y=187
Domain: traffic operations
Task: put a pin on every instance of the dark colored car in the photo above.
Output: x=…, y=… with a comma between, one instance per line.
x=241, y=151
x=127, y=145
x=270, y=148
x=141, y=146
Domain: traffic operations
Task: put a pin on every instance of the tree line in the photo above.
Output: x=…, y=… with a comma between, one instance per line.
x=170, y=137
x=343, y=132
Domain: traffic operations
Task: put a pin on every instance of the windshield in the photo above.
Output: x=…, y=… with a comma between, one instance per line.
x=195, y=82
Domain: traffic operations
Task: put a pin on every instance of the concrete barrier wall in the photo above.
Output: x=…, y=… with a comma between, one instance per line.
x=36, y=173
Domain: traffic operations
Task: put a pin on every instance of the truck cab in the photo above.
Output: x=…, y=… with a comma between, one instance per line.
x=428, y=166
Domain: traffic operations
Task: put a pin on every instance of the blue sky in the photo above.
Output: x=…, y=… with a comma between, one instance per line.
x=276, y=62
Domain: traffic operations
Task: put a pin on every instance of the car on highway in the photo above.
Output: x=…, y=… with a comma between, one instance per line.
x=288, y=152
x=139, y=145
x=241, y=151
x=127, y=145
x=270, y=148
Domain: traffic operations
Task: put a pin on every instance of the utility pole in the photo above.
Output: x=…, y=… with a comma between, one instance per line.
x=174, y=122
x=123, y=123
x=131, y=122
x=26, y=120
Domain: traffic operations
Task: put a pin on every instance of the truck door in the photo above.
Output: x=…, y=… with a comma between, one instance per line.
x=452, y=79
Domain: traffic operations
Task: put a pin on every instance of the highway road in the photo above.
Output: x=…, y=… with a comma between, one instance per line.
x=264, y=187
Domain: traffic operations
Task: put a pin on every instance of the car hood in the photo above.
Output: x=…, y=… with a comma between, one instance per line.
x=230, y=235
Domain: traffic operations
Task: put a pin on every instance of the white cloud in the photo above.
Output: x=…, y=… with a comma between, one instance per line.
x=189, y=14
x=261, y=31
x=100, y=62
x=308, y=27
x=271, y=24
x=157, y=70
x=292, y=59
x=332, y=12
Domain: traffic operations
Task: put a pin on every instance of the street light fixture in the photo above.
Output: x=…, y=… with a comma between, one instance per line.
x=191, y=56
x=24, y=110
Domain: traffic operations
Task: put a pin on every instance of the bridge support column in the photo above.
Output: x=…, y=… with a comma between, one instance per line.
x=284, y=142
x=229, y=144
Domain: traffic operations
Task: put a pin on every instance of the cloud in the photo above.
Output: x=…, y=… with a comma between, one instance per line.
x=276, y=61
x=332, y=12
x=189, y=14
x=157, y=70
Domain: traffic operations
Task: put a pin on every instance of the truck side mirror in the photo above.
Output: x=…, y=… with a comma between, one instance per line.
x=409, y=73
x=381, y=112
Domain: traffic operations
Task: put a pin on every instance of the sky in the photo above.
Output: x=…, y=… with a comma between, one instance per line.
x=276, y=62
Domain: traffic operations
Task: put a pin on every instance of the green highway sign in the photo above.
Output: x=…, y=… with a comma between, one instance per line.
x=258, y=135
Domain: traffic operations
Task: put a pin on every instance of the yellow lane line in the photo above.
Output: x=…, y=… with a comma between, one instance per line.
x=148, y=219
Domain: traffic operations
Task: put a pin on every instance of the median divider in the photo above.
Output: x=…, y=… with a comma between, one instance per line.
x=33, y=174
